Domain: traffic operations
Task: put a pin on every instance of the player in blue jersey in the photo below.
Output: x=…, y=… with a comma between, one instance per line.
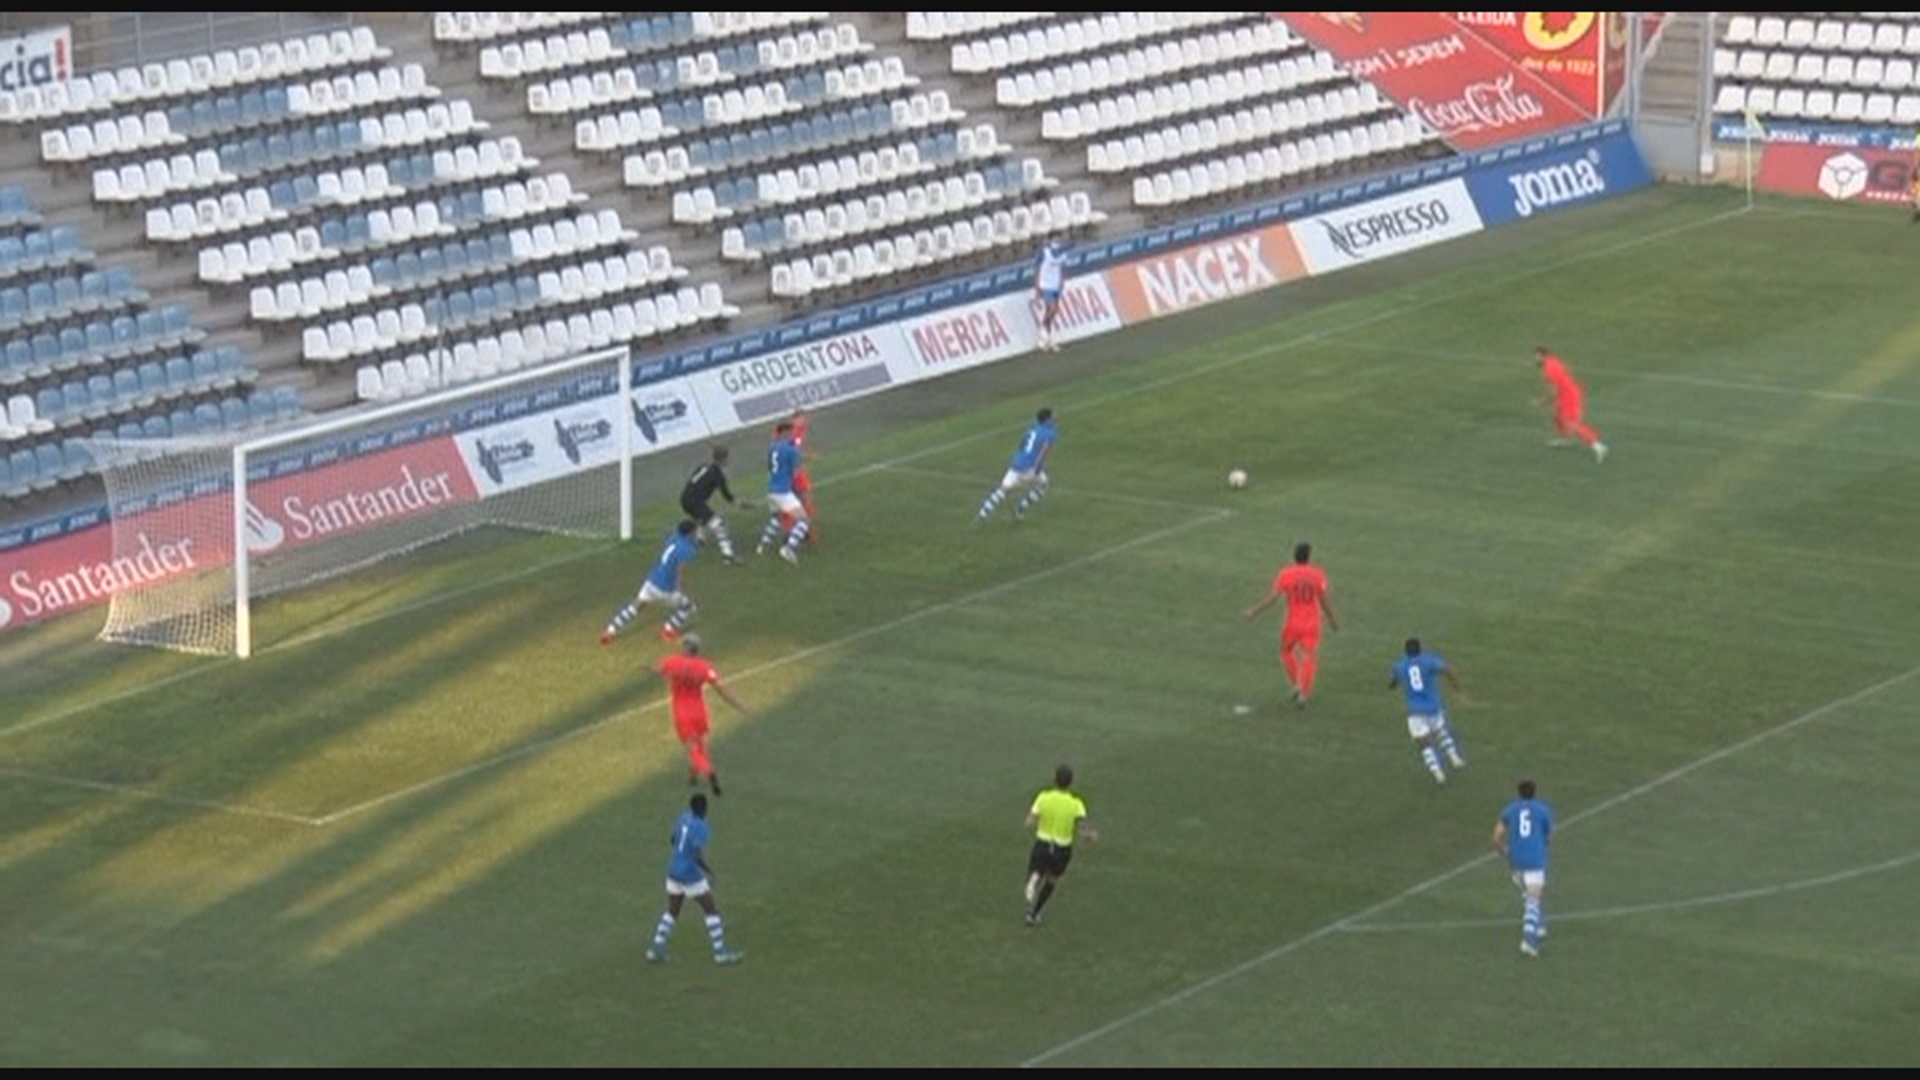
x=663, y=584
x=1418, y=674
x=1522, y=835
x=1028, y=469
x=783, y=463
x=1049, y=281
x=688, y=875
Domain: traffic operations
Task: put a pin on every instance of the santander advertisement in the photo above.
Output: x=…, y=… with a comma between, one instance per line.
x=1469, y=91
x=196, y=534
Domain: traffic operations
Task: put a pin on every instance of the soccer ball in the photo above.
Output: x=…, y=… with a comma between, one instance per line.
x=1237, y=479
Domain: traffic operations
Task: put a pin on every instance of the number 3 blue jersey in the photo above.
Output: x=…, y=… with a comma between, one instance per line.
x=1419, y=677
x=1033, y=447
x=1529, y=823
x=782, y=462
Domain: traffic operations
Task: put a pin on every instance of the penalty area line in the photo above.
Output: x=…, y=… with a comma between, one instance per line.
x=129, y=792
x=1347, y=922
x=1660, y=907
x=795, y=657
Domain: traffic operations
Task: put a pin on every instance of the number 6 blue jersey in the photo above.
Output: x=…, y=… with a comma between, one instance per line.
x=1419, y=677
x=1529, y=823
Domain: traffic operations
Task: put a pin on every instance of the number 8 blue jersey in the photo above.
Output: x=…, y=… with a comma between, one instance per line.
x=1419, y=677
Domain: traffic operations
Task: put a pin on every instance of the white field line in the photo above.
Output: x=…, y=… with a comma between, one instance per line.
x=1757, y=892
x=1347, y=922
x=130, y=792
x=1064, y=489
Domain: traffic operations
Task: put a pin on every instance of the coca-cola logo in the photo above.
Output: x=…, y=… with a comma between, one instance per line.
x=1482, y=106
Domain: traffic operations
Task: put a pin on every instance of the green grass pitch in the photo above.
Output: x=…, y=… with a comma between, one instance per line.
x=427, y=825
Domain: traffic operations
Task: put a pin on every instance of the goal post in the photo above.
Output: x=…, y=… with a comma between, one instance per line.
x=204, y=527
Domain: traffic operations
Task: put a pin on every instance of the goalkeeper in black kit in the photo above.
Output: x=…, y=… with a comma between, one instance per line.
x=696, y=498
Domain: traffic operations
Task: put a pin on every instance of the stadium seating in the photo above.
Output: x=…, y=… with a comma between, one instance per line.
x=83, y=353
x=1849, y=69
x=767, y=124
x=1186, y=106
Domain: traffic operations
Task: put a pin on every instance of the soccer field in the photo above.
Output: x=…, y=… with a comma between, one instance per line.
x=427, y=823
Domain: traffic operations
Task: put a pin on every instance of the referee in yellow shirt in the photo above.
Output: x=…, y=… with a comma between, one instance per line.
x=1058, y=817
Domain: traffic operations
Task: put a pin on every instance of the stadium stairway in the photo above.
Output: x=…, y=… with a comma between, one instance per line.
x=1671, y=83
x=932, y=62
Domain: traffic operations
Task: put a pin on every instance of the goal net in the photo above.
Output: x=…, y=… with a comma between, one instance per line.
x=203, y=527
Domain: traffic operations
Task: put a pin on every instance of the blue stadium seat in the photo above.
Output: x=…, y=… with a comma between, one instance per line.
x=279, y=151
x=233, y=413
x=120, y=284
x=527, y=290
x=48, y=465
x=99, y=337
x=358, y=234
x=50, y=404
x=383, y=272
x=77, y=461
x=460, y=308
x=92, y=399
x=202, y=117
x=22, y=474
x=126, y=389
x=333, y=234
x=407, y=269
x=152, y=327
x=280, y=195
x=46, y=354
x=16, y=359
x=13, y=306
x=226, y=108
x=306, y=189
x=6, y=479
x=40, y=300
x=153, y=381
x=452, y=257
x=181, y=423
x=126, y=334
x=13, y=252
x=128, y=430
x=480, y=254
x=314, y=143
x=73, y=347
x=66, y=293
x=253, y=107
x=346, y=135
x=484, y=301
x=179, y=375
x=39, y=248
x=154, y=427
x=473, y=207
x=273, y=103
x=178, y=322
x=96, y=287
x=433, y=264
x=206, y=416
x=499, y=249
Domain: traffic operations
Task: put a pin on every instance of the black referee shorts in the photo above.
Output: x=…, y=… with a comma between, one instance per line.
x=1049, y=859
x=698, y=511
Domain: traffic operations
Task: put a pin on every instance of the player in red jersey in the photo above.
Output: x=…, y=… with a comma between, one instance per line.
x=1569, y=404
x=688, y=675
x=802, y=483
x=1305, y=587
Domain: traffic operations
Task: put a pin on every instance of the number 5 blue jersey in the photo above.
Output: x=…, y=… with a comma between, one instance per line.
x=782, y=462
x=1529, y=823
x=1034, y=446
x=1419, y=677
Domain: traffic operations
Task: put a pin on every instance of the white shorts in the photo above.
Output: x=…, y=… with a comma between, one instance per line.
x=1018, y=478
x=1424, y=725
x=786, y=504
x=690, y=889
x=1530, y=880
x=651, y=593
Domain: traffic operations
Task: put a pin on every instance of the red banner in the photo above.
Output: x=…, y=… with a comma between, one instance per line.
x=82, y=569
x=1471, y=93
x=1562, y=47
x=1840, y=173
